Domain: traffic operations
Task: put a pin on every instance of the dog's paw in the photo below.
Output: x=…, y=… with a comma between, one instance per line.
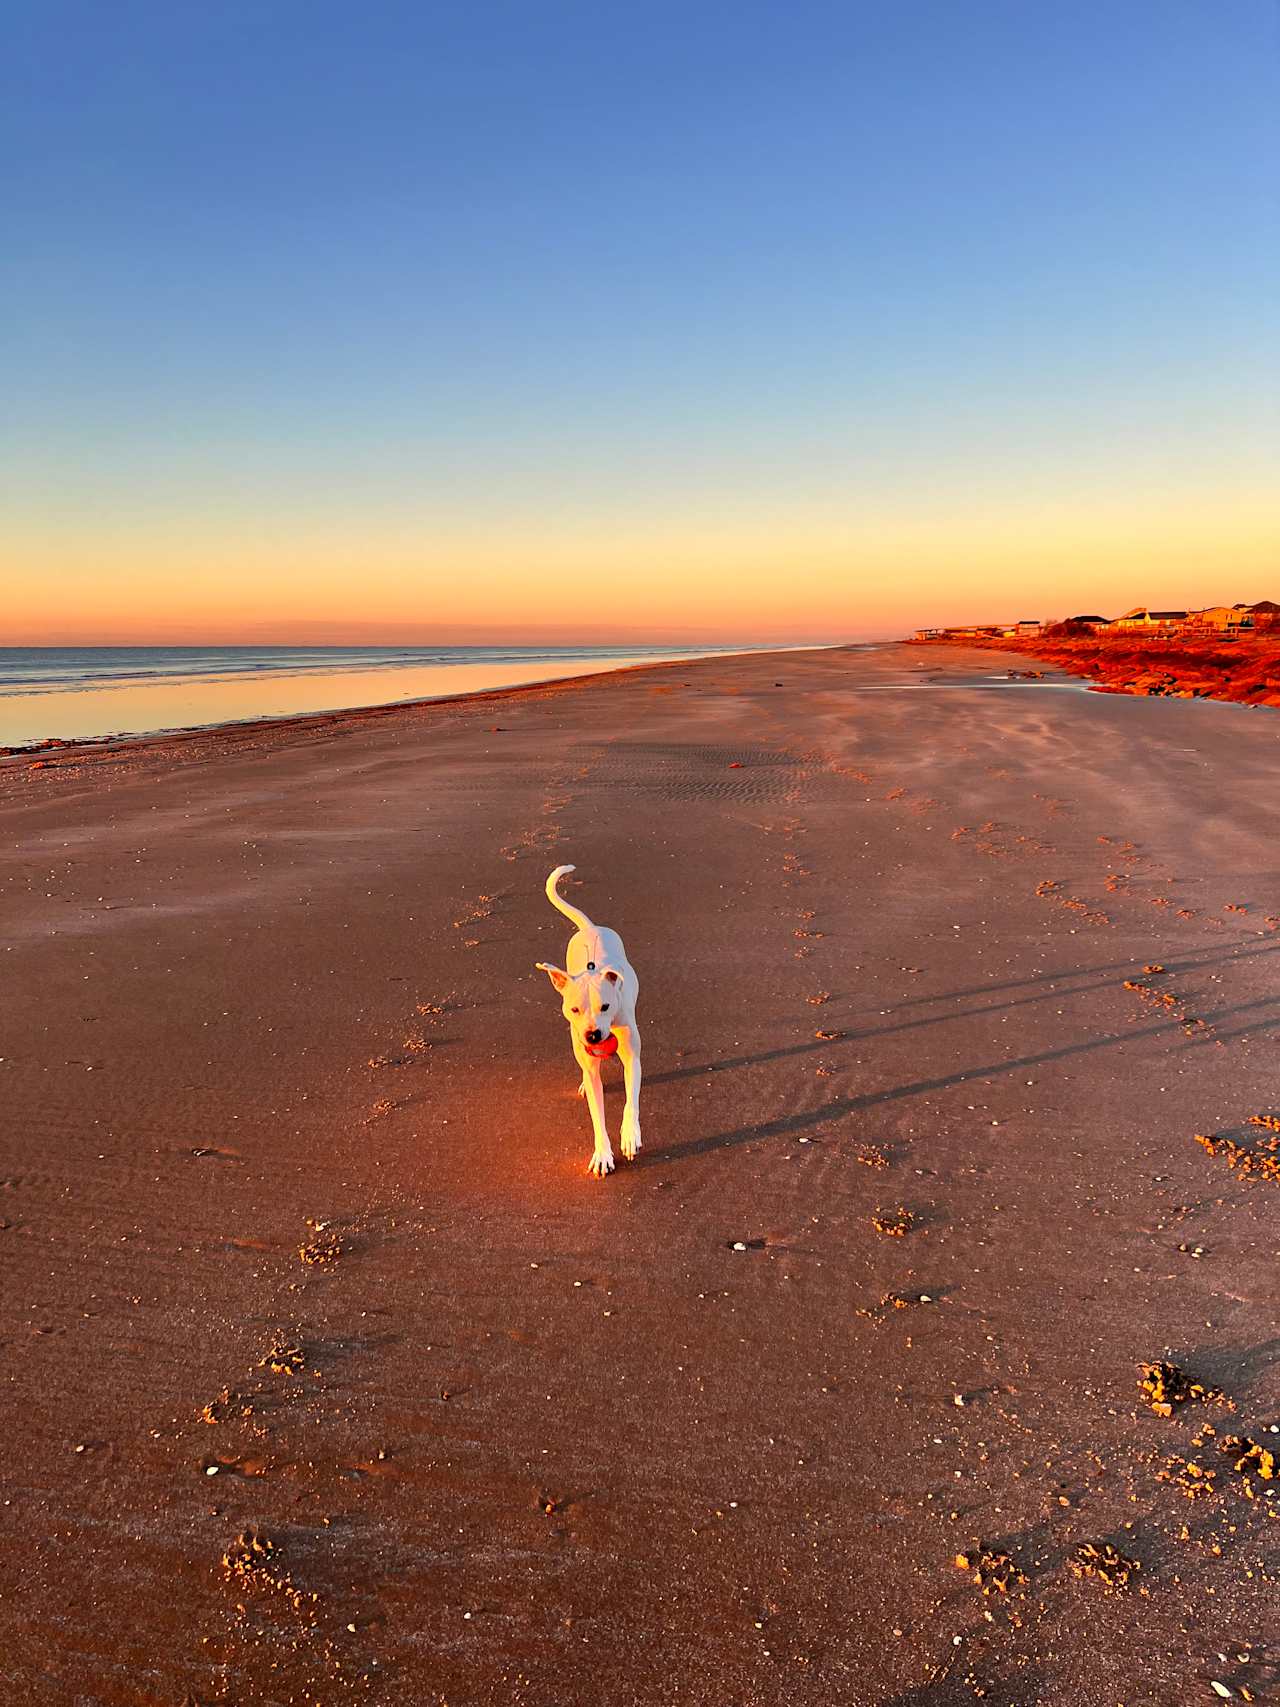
x=630, y=1138
x=601, y=1163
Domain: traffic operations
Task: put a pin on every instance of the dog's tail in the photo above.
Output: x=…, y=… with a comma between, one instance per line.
x=553, y=895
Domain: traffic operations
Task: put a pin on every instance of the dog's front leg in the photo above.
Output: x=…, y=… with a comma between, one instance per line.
x=629, y=1054
x=593, y=1089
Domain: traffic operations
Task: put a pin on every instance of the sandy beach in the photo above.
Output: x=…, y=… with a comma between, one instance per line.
x=331, y=1375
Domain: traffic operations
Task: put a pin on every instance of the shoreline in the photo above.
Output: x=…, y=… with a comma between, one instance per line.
x=338, y=1377
x=73, y=748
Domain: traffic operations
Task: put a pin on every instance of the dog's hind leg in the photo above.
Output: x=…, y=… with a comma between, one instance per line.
x=629, y=1054
x=593, y=1089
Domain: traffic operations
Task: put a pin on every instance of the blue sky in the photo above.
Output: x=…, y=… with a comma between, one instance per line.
x=573, y=272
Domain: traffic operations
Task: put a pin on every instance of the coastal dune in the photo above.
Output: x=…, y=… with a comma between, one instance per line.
x=330, y=1373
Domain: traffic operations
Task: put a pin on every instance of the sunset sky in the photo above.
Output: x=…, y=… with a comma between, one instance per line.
x=574, y=319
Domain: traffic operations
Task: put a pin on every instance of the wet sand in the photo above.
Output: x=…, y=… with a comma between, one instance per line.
x=297, y=1243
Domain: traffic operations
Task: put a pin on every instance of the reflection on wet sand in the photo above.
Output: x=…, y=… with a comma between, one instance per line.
x=175, y=703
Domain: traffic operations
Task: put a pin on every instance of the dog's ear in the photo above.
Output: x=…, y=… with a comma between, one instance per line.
x=557, y=977
x=613, y=977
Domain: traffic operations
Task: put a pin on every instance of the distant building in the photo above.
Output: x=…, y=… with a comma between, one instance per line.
x=1230, y=621
x=1226, y=619
x=1147, y=620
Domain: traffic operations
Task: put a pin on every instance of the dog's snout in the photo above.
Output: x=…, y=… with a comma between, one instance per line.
x=593, y=1037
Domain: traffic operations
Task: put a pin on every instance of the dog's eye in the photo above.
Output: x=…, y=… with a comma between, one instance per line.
x=577, y=1010
x=604, y=1007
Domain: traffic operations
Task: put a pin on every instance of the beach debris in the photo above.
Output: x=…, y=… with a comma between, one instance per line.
x=893, y=1223
x=252, y=1562
x=1049, y=889
x=1166, y=999
x=323, y=1247
x=1105, y=1563
x=895, y=1301
x=828, y=1036
x=1165, y=1385
x=225, y=1405
x=1194, y=1480
x=743, y=1245
x=237, y=1466
x=816, y=1001
x=873, y=1156
x=283, y=1357
x=992, y=1572
x=1261, y=1161
x=1249, y=1458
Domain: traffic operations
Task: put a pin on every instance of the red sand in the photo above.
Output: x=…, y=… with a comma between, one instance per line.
x=330, y=1374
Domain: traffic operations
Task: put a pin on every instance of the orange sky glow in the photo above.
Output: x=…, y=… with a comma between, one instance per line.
x=804, y=576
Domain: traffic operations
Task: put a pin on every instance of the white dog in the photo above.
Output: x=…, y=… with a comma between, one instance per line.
x=599, y=989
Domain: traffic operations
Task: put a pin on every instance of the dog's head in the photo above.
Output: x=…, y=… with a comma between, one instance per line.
x=589, y=1002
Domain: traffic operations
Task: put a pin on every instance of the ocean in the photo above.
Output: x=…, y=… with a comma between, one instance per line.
x=87, y=692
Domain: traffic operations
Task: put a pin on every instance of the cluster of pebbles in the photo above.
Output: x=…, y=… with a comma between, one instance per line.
x=252, y=1563
x=1166, y=1385
x=1257, y=1161
x=1112, y=1568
